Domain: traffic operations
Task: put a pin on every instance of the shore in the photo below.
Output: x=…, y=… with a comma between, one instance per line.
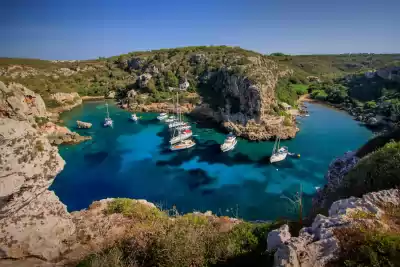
x=89, y=98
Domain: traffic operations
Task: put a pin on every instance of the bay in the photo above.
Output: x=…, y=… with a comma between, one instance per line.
x=133, y=160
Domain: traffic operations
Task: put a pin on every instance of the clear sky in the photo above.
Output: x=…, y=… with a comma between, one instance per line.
x=83, y=29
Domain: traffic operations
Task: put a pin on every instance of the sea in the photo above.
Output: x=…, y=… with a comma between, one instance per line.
x=133, y=160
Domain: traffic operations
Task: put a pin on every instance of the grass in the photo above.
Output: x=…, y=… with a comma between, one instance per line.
x=301, y=89
x=156, y=239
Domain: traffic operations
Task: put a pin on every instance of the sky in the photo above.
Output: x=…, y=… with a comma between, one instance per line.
x=86, y=29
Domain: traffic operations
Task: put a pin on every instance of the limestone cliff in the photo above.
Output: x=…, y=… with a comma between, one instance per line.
x=243, y=101
x=319, y=244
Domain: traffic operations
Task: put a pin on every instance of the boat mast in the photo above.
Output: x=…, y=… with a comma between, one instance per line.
x=108, y=114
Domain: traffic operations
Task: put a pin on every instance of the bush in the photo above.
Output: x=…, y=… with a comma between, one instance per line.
x=131, y=208
x=319, y=95
x=367, y=248
x=370, y=105
x=377, y=171
x=188, y=240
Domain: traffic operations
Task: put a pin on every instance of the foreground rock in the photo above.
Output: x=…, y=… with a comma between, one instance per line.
x=20, y=103
x=317, y=245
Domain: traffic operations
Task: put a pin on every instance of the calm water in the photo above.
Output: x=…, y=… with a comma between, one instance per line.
x=132, y=160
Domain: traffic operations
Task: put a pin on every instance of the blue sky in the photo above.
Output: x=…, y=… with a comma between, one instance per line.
x=52, y=29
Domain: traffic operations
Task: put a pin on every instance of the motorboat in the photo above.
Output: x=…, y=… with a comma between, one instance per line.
x=162, y=116
x=185, y=144
x=182, y=135
x=229, y=143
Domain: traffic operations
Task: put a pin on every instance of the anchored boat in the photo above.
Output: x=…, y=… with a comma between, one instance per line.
x=185, y=144
x=134, y=117
x=182, y=135
x=278, y=153
x=229, y=143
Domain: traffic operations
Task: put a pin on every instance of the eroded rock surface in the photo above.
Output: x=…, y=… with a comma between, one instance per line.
x=317, y=245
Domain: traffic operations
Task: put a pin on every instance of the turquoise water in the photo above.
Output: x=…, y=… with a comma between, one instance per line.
x=132, y=160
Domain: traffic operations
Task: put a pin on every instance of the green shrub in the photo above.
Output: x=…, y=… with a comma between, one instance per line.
x=370, y=105
x=41, y=120
x=378, y=170
x=131, y=208
x=319, y=95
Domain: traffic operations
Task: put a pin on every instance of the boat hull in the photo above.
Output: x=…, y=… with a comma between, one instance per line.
x=179, y=138
x=175, y=148
x=278, y=157
x=226, y=148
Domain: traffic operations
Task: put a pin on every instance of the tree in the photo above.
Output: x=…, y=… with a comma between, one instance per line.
x=151, y=86
x=172, y=80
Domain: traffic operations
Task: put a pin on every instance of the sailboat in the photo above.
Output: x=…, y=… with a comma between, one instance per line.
x=179, y=137
x=278, y=153
x=108, y=122
x=229, y=143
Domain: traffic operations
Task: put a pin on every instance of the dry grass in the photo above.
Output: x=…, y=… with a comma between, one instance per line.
x=156, y=239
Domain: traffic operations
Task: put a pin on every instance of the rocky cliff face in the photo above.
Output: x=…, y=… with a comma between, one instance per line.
x=319, y=244
x=243, y=101
x=67, y=101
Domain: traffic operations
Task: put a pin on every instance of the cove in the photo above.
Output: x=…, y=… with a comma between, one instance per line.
x=132, y=160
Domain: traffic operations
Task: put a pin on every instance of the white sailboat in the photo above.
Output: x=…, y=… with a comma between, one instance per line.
x=229, y=143
x=108, y=122
x=179, y=139
x=278, y=153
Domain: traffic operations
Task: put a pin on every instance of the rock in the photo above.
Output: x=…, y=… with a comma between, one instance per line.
x=317, y=245
x=58, y=135
x=143, y=80
x=278, y=237
x=244, y=103
x=135, y=63
x=111, y=94
x=198, y=58
x=83, y=125
x=66, y=71
x=18, y=102
x=389, y=73
x=372, y=121
x=67, y=100
x=33, y=222
x=131, y=93
x=337, y=170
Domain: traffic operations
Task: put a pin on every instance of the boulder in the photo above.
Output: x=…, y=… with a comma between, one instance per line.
x=372, y=121
x=83, y=125
x=111, y=94
x=277, y=237
x=131, y=93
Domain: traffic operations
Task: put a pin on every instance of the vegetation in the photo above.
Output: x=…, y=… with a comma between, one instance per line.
x=376, y=171
x=368, y=248
x=169, y=67
x=183, y=240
